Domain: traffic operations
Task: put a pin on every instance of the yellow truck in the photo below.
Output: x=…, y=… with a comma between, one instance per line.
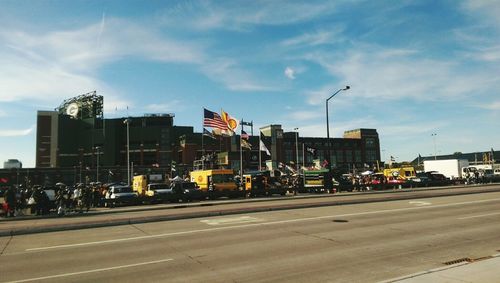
x=404, y=173
x=217, y=183
x=150, y=191
x=260, y=183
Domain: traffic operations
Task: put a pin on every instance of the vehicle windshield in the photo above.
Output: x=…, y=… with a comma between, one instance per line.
x=123, y=190
x=158, y=187
x=190, y=185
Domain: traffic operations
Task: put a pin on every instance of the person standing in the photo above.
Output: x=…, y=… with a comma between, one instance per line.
x=10, y=199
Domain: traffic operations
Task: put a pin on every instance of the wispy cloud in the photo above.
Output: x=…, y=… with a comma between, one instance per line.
x=16, y=133
x=235, y=78
x=315, y=38
x=56, y=62
x=379, y=73
x=305, y=115
x=172, y=106
x=494, y=105
x=240, y=16
x=289, y=73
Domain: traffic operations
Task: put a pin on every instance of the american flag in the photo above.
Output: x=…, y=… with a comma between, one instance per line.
x=244, y=135
x=212, y=119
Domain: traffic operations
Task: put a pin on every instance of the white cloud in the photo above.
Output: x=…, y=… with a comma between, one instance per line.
x=378, y=73
x=290, y=73
x=55, y=65
x=315, y=38
x=172, y=106
x=485, y=10
x=240, y=16
x=495, y=105
x=16, y=133
x=305, y=115
x=227, y=72
x=491, y=54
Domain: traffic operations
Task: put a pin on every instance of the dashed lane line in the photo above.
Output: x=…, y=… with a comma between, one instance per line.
x=214, y=229
x=90, y=271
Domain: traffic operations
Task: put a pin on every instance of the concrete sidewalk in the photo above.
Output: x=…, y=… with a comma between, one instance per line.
x=102, y=217
x=484, y=271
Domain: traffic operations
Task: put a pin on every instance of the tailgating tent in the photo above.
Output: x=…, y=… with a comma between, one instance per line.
x=177, y=179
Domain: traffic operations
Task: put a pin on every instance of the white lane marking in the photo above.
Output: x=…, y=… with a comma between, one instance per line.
x=233, y=220
x=91, y=271
x=419, y=203
x=256, y=225
x=481, y=215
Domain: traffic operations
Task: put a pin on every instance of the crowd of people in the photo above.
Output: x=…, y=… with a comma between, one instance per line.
x=39, y=200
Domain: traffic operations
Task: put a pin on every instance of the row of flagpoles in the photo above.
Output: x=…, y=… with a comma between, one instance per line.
x=225, y=125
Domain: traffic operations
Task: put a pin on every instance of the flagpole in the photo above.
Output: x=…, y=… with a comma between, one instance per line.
x=260, y=152
x=241, y=158
x=203, y=141
x=303, y=156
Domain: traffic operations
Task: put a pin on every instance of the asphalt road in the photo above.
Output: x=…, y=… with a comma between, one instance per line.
x=351, y=243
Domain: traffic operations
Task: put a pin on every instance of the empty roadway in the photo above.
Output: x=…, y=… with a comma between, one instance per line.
x=351, y=243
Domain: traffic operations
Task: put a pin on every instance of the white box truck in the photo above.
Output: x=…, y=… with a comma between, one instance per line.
x=451, y=168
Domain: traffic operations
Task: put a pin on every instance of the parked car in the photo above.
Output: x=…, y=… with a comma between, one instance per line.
x=420, y=180
x=119, y=195
x=185, y=191
x=160, y=192
x=437, y=179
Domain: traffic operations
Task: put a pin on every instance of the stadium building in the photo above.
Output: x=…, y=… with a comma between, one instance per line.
x=75, y=143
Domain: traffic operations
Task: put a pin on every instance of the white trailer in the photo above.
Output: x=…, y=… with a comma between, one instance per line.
x=451, y=168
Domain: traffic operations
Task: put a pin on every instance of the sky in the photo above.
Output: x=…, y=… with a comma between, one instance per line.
x=415, y=68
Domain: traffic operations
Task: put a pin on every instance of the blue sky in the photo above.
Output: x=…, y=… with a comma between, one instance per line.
x=415, y=67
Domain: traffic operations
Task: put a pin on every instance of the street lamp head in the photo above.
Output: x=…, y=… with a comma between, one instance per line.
x=295, y=129
x=346, y=87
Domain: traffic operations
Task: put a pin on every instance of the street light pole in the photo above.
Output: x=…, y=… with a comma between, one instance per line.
x=97, y=167
x=127, y=121
x=297, y=148
x=328, y=128
x=434, y=140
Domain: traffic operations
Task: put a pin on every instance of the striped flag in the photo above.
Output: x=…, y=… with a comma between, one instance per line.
x=214, y=120
x=208, y=134
x=245, y=144
x=244, y=135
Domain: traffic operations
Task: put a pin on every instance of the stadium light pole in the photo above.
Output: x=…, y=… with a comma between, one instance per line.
x=328, y=127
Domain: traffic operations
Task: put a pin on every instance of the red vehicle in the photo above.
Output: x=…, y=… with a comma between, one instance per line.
x=395, y=181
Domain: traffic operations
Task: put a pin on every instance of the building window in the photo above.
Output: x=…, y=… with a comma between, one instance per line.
x=371, y=156
x=370, y=142
x=289, y=156
x=340, y=156
x=348, y=156
x=357, y=156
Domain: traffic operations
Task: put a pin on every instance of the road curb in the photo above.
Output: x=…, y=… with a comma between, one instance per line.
x=434, y=270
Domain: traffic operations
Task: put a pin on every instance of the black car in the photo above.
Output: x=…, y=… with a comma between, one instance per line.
x=185, y=191
x=118, y=194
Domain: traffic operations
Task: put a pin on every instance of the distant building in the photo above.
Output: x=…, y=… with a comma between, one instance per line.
x=474, y=158
x=75, y=143
x=12, y=164
x=76, y=134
